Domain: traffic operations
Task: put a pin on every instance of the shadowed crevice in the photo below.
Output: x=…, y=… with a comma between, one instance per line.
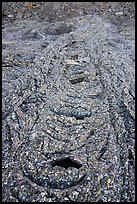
x=66, y=163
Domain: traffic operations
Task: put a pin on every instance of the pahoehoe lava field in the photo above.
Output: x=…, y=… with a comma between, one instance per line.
x=68, y=102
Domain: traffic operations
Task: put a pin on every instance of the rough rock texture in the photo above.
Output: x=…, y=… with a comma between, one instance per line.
x=68, y=101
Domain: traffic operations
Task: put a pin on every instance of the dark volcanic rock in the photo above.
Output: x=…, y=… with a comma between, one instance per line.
x=68, y=111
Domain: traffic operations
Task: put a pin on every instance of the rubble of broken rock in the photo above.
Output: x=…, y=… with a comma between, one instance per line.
x=68, y=111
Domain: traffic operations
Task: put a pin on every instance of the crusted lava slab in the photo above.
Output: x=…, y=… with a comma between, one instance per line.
x=52, y=170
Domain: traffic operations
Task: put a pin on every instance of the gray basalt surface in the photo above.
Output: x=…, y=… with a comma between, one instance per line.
x=68, y=101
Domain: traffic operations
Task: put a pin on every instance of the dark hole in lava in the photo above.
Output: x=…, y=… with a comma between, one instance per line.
x=77, y=80
x=66, y=163
x=79, y=117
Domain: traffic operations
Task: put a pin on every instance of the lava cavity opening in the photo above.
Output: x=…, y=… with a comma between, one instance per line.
x=66, y=163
